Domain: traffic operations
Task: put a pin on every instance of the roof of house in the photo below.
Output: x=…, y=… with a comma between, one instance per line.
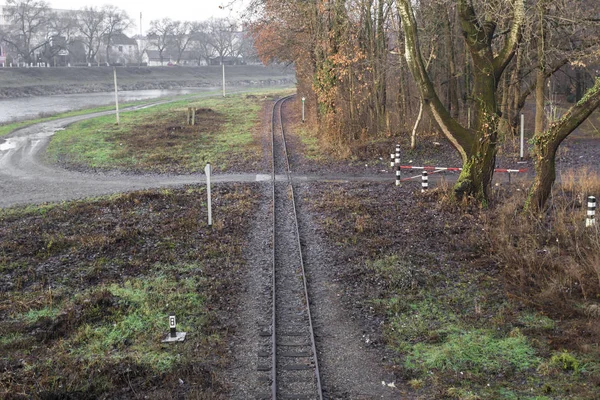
x=121, y=38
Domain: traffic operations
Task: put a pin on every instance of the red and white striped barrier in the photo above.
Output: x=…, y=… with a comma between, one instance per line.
x=460, y=169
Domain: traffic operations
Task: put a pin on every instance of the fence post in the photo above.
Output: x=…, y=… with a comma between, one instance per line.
x=591, y=211
x=424, y=181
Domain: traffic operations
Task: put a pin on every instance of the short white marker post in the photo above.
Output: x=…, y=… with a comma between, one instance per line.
x=591, y=211
x=173, y=335
x=392, y=160
x=303, y=99
x=207, y=171
x=424, y=181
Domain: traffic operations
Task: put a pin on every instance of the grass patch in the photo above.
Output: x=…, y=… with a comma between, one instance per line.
x=159, y=139
x=459, y=323
x=88, y=287
x=479, y=353
x=138, y=311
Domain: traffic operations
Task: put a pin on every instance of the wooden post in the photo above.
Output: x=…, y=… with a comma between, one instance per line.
x=194, y=116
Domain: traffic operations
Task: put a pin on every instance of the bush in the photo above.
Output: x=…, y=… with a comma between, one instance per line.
x=554, y=257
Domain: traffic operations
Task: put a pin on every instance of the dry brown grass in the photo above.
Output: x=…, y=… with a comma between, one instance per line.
x=553, y=260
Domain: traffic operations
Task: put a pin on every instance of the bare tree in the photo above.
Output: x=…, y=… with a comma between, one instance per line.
x=183, y=34
x=62, y=29
x=221, y=36
x=116, y=21
x=200, y=44
x=92, y=28
x=161, y=35
x=28, y=29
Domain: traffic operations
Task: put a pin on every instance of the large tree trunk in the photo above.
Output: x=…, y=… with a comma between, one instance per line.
x=546, y=144
x=477, y=146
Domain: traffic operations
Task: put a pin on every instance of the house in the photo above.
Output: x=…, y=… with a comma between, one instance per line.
x=122, y=49
x=169, y=57
x=152, y=58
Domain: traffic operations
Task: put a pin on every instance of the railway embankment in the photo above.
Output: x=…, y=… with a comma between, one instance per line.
x=25, y=82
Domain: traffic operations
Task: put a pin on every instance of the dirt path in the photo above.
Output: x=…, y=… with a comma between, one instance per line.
x=26, y=179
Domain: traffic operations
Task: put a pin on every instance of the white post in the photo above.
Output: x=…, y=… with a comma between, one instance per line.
x=522, y=136
x=424, y=182
x=303, y=99
x=207, y=171
x=469, y=117
x=116, y=94
x=223, y=78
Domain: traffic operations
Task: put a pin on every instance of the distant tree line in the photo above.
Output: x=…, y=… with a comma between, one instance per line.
x=367, y=67
x=32, y=32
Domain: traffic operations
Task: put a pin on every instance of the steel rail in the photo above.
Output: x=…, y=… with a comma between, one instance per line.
x=304, y=281
x=277, y=107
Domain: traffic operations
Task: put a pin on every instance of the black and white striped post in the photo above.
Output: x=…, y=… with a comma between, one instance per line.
x=591, y=211
x=392, y=162
x=397, y=162
x=424, y=182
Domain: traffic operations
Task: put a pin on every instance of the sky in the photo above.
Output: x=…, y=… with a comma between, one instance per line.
x=183, y=10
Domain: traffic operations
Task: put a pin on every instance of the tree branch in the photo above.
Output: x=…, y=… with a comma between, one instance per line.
x=460, y=137
x=513, y=39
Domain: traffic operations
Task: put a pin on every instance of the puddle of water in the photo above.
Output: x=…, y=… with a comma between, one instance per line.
x=8, y=145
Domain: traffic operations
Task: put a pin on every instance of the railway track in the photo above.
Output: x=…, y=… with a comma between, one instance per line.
x=288, y=357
